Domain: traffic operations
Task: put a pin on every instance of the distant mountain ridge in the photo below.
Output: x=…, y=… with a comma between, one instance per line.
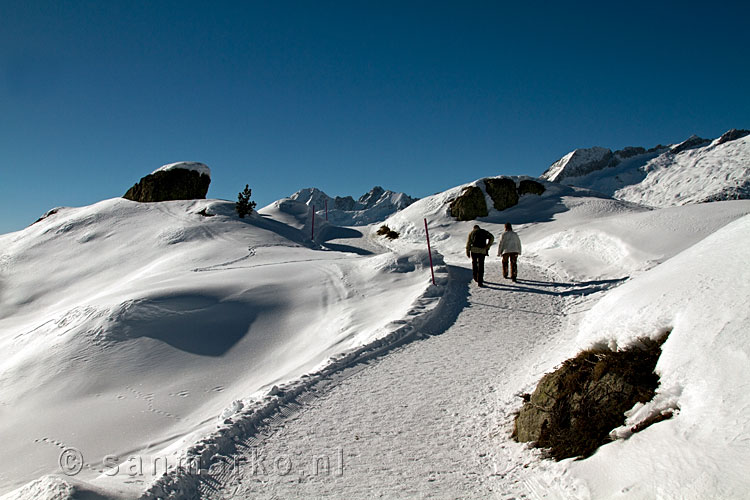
x=693, y=171
x=374, y=206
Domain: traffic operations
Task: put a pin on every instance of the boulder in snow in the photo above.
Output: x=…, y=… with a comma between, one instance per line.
x=574, y=409
x=528, y=186
x=502, y=191
x=470, y=205
x=176, y=181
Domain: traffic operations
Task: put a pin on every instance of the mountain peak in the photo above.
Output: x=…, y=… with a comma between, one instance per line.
x=578, y=162
x=374, y=206
x=692, y=171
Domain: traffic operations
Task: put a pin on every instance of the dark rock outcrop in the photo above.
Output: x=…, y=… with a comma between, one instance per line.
x=741, y=191
x=732, y=135
x=528, y=186
x=629, y=152
x=343, y=203
x=502, y=191
x=574, y=409
x=174, y=184
x=470, y=205
x=691, y=143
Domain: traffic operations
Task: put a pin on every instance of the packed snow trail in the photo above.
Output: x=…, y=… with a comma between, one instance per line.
x=429, y=420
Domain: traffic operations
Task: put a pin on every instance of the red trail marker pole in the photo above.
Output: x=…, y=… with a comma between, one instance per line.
x=429, y=251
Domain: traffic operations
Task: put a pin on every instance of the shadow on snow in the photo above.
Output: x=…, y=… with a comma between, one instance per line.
x=558, y=289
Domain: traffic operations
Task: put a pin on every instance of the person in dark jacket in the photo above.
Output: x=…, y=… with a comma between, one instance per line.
x=477, y=247
x=510, y=249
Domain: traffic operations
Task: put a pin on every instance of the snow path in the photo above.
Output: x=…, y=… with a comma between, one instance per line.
x=429, y=420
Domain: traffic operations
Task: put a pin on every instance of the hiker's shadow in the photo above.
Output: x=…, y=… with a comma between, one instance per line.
x=558, y=289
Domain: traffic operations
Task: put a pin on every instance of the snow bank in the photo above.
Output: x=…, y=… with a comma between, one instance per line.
x=702, y=296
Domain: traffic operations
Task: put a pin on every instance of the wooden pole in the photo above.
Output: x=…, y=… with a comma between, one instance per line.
x=429, y=251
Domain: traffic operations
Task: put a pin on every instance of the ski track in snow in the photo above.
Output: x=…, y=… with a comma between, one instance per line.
x=397, y=427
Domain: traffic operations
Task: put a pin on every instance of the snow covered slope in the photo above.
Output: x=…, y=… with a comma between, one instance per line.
x=374, y=206
x=148, y=329
x=694, y=171
x=130, y=327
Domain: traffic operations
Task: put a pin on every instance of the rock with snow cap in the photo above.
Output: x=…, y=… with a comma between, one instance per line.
x=175, y=181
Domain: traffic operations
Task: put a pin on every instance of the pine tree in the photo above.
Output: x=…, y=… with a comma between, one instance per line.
x=244, y=206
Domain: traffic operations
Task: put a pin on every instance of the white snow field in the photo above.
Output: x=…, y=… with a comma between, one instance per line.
x=168, y=333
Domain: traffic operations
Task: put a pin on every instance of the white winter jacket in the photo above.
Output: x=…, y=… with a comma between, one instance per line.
x=509, y=243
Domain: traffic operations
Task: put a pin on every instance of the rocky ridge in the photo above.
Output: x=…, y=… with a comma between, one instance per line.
x=374, y=206
x=719, y=170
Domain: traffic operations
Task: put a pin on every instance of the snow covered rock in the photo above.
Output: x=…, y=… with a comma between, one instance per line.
x=176, y=181
x=578, y=162
x=201, y=168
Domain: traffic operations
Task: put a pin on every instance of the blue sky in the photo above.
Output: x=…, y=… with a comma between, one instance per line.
x=413, y=96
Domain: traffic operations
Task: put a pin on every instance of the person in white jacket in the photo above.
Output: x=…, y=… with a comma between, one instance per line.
x=510, y=249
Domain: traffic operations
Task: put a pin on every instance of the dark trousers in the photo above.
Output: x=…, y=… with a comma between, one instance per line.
x=477, y=266
x=513, y=258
